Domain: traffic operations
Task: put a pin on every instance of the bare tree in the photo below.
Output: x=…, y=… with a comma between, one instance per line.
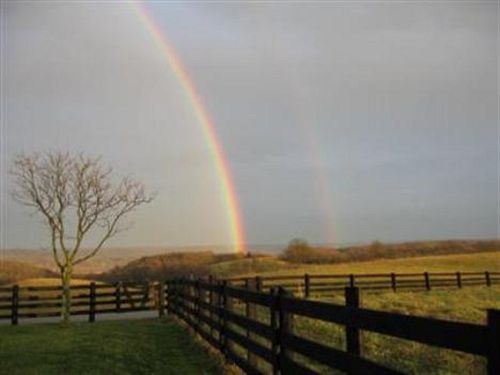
x=78, y=200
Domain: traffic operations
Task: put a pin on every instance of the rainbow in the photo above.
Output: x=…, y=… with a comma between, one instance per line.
x=207, y=126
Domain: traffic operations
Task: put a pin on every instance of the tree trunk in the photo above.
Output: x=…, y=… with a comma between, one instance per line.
x=66, y=274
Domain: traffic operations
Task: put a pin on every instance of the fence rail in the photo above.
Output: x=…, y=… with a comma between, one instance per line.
x=319, y=284
x=21, y=302
x=209, y=309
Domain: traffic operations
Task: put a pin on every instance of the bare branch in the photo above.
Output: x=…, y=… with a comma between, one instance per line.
x=76, y=191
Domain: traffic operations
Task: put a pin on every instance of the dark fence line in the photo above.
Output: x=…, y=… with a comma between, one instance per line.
x=208, y=308
x=21, y=302
x=319, y=284
x=226, y=316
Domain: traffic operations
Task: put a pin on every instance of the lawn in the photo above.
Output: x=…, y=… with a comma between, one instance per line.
x=111, y=347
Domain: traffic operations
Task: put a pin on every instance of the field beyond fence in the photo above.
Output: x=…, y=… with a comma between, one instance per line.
x=321, y=284
x=269, y=343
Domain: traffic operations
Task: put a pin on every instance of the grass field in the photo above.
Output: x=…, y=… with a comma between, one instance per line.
x=443, y=263
x=112, y=347
x=467, y=305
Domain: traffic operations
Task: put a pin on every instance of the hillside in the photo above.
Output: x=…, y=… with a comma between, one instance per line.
x=11, y=271
x=112, y=257
x=168, y=265
x=301, y=252
x=471, y=257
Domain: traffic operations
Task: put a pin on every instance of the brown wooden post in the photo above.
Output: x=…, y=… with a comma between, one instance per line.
x=488, y=278
x=494, y=341
x=161, y=299
x=15, y=305
x=228, y=306
x=118, y=300
x=211, y=302
x=223, y=324
x=307, y=285
x=459, y=280
x=274, y=311
x=147, y=294
x=220, y=314
x=393, y=281
x=352, y=281
x=427, y=281
x=353, y=336
x=167, y=296
x=198, y=296
x=285, y=327
x=258, y=283
x=251, y=313
x=92, y=302
x=172, y=292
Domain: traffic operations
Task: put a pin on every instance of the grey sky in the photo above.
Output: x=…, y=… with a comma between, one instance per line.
x=342, y=121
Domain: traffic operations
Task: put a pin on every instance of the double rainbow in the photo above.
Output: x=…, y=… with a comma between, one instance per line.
x=207, y=126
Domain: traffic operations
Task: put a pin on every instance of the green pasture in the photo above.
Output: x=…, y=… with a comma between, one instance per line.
x=111, y=347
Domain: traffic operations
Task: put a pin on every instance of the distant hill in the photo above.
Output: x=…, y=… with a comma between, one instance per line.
x=150, y=261
x=14, y=271
x=379, y=250
x=226, y=265
x=193, y=263
x=112, y=257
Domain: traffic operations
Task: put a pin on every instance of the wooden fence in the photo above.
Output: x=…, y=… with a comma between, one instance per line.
x=208, y=308
x=321, y=284
x=22, y=302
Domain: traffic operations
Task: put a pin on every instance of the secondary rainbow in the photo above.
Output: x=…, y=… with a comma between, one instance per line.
x=207, y=126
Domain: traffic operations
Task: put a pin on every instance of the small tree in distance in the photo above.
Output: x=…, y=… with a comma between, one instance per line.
x=298, y=250
x=77, y=198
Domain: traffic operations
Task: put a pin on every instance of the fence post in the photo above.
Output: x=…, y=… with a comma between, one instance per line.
x=352, y=281
x=459, y=279
x=494, y=341
x=353, y=337
x=211, y=302
x=488, y=279
x=307, y=285
x=118, y=300
x=161, y=299
x=172, y=295
x=197, y=304
x=223, y=318
x=393, y=281
x=258, y=283
x=228, y=306
x=167, y=297
x=92, y=303
x=274, y=310
x=427, y=281
x=220, y=318
x=285, y=326
x=251, y=313
x=15, y=305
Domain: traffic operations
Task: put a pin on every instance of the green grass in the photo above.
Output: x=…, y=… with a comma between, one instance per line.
x=111, y=347
x=440, y=263
x=465, y=305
